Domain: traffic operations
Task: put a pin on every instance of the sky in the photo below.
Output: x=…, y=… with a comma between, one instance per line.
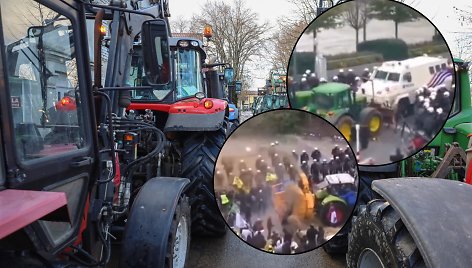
x=443, y=15
x=268, y=10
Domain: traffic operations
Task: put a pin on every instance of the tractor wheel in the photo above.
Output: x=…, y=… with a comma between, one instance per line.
x=372, y=118
x=141, y=251
x=344, y=125
x=378, y=238
x=234, y=125
x=198, y=158
x=178, y=249
x=334, y=214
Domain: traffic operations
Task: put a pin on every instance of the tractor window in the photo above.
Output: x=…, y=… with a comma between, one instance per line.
x=343, y=99
x=456, y=105
x=188, y=73
x=137, y=78
x=324, y=101
x=43, y=82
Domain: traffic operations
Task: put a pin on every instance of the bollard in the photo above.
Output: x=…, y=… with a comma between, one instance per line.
x=358, y=127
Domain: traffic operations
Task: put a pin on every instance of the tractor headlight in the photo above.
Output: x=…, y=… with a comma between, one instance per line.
x=200, y=95
x=183, y=43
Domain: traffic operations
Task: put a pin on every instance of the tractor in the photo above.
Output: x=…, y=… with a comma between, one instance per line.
x=84, y=163
x=195, y=126
x=269, y=102
x=221, y=86
x=334, y=102
x=392, y=223
x=329, y=203
x=335, y=198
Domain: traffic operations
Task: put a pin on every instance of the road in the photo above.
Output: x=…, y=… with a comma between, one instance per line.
x=245, y=115
x=232, y=252
x=385, y=144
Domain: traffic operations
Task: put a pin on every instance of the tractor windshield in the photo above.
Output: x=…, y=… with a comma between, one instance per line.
x=188, y=73
x=324, y=101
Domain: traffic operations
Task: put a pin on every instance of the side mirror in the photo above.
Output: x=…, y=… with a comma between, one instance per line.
x=155, y=42
x=229, y=75
x=238, y=86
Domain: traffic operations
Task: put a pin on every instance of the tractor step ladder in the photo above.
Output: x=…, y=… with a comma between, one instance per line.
x=19, y=208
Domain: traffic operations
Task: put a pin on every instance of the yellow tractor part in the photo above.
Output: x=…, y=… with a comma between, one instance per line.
x=375, y=124
x=344, y=126
x=300, y=201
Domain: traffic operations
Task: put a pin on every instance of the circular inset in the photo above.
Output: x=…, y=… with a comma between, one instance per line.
x=377, y=70
x=286, y=181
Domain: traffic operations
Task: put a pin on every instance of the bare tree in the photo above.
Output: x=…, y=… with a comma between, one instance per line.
x=355, y=15
x=237, y=35
x=305, y=10
x=283, y=41
x=182, y=25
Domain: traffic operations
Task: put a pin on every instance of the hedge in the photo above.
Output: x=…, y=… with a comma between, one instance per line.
x=391, y=49
x=429, y=49
x=305, y=60
x=354, y=61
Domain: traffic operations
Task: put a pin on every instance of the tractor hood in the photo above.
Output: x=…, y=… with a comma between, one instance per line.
x=196, y=115
x=464, y=129
x=303, y=98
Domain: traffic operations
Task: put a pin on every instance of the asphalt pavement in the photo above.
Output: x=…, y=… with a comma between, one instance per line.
x=230, y=251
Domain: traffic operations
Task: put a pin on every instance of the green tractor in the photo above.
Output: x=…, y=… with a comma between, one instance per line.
x=334, y=102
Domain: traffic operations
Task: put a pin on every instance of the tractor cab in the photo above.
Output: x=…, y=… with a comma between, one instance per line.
x=185, y=71
x=336, y=197
x=329, y=99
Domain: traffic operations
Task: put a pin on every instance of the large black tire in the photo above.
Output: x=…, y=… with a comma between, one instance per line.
x=146, y=255
x=379, y=237
x=198, y=157
x=338, y=244
x=182, y=213
x=233, y=125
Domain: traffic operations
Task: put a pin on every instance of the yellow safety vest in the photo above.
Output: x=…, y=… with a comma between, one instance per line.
x=270, y=177
x=224, y=199
x=238, y=182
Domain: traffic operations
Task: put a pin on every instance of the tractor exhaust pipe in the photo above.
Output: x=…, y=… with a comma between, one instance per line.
x=97, y=49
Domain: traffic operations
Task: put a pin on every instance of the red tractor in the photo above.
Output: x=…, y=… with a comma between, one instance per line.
x=195, y=126
x=80, y=166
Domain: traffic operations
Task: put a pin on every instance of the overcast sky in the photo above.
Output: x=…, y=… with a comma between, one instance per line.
x=268, y=10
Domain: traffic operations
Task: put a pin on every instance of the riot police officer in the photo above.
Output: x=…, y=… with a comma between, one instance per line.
x=316, y=154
